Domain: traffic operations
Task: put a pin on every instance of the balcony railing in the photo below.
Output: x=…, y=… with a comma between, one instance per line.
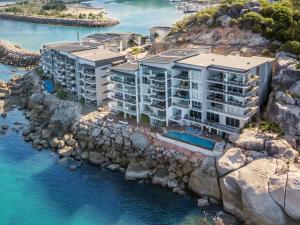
x=225, y=128
x=158, y=106
x=238, y=83
x=181, y=104
x=185, y=97
x=181, y=77
x=158, y=87
x=159, y=97
x=181, y=86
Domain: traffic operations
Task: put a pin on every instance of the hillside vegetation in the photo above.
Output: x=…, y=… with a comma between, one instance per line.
x=278, y=22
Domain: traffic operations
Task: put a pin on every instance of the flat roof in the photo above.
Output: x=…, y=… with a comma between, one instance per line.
x=225, y=61
x=129, y=66
x=97, y=54
x=71, y=46
x=102, y=37
x=169, y=56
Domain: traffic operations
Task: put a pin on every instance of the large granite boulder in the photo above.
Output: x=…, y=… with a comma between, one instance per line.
x=248, y=140
x=137, y=170
x=140, y=141
x=284, y=187
x=231, y=160
x=96, y=158
x=161, y=177
x=246, y=194
x=280, y=148
x=204, y=180
x=35, y=100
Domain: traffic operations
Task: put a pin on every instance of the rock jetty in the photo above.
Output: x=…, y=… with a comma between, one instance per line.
x=15, y=56
x=108, y=22
x=256, y=178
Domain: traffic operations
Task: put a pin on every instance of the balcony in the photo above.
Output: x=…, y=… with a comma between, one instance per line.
x=176, y=118
x=158, y=87
x=90, y=89
x=184, y=77
x=181, y=104
x=158, y=97
x=159, y=105
x=130, y=100
x=182, y=86
x=91, y=97
x=123, y=81
x=157, y=78
x=181, y=96
x=158, y=116
x=117, y=97
x=89, y=81
x=233, y=82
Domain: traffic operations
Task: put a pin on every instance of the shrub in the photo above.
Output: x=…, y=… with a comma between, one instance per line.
x=292, y=46
x=60, y=93
x=267, y=126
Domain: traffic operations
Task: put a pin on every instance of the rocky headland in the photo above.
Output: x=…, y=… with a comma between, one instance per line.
x=256, y=179
x=16, y=56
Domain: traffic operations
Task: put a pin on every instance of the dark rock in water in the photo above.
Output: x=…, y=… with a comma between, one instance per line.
x=73, y=167
x=4, y=114
x=4, y=126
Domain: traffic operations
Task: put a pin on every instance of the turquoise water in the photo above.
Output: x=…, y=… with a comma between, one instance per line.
x=135, y=16
x=38, y=190
x=7, y=72
x=190, y=139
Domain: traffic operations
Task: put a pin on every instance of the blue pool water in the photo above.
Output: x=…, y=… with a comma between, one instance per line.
x=190, y=139
x=38, y=190
x=49, y=86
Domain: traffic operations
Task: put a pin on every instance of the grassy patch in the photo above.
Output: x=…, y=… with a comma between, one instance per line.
x=145, y=119
x=267, y=126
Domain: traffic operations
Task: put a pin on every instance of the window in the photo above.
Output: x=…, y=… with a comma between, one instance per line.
x=195, y=114
x=232, y=122
x=197, y=105
x=194, y=85
x=212, y=117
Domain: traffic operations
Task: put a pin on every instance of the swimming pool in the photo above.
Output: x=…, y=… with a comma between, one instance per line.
x=190, y=139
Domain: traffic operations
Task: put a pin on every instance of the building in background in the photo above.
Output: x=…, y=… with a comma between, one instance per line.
x=81, y=70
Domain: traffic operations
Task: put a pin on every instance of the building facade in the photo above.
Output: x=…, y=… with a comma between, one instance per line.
x=81, y=70
x=219, y=94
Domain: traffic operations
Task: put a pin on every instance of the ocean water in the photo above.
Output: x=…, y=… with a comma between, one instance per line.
x=38, y=190
x=135, y=16
x=7, y=72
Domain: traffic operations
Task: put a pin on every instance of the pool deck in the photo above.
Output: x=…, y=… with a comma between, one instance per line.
x=217, y=151
x=179, y=145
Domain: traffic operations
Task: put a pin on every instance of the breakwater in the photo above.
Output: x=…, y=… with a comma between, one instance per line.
x=108, y=22
x=15, y=56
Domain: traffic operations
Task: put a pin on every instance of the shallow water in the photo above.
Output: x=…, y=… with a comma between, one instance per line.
x=7, y=72
x=36, y=190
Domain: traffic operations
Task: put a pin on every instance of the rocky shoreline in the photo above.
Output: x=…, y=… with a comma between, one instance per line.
x=256, y=179
x=109, y=22
x=15, y=56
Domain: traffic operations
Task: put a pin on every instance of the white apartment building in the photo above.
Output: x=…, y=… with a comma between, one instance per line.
x=219, y=94
x=81, y=70
x=125, y=89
